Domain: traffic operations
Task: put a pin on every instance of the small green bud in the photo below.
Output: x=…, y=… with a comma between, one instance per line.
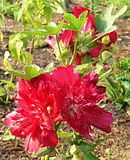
x=106, y=40
x=84, y=49
x=106, y=55
x=113, y=48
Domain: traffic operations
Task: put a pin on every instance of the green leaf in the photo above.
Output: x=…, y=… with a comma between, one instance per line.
x=126, y=84
x=32, y=71
x=19, y=46
x=42, y=152
x=90, y=156
x=48, y=13
x=54, y=29
x=128, y=111
x=16, y=43
x=75, y=23
x=111, y=82
x=118, y=106
x=1, y=36
x=105, y=22
x=26, y=58
x=18, y=15
x=84, y=68
x=64, y=134
x=49, y=67
x=6, y=62
x=85, y=147
x=112, y=89
x=15, y=73
x=106, y=55
x=48, y=30
x=7, y=135
x=99, y=68
x=2, y=92
x=127, y=100
x=106, y=74
x=120, y=12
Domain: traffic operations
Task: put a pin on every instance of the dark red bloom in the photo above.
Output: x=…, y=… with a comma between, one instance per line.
x=39, y=109
x=78, y=59
x=94, y=52
x=51, y=98
x=80, y=98
x=67, y=36
x=112, y=36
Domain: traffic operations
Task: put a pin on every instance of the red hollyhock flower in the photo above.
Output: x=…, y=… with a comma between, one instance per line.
x=78, y=59
x=67, y=36
x=112, y=36
x=81, y=95
x=51, y=40
x=94, y=52
x=39, y=109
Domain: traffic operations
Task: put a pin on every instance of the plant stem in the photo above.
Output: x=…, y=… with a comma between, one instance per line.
x=75, y=50
x=2, y=6
x=59, y=50
x=8, y=93
x=92, y=5
x=57, y=126
x=31, y=46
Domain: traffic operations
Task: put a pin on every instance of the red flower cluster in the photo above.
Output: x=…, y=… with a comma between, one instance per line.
x=51, y=98
x=68, y=37
x=39, y=109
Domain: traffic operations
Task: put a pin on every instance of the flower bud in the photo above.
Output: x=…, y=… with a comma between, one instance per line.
x=106, y=55
x=84, y=49
x=106, y=40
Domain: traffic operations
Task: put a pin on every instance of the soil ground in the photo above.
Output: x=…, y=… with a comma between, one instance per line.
x=116, y=145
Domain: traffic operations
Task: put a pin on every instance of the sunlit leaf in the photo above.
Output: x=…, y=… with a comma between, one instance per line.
x=42, y=152
x=18, y=15
x=90, y=156
x=7, y=135
x=64, y=134
x=104, y=23
x=49, y=67
x=73, y=22
x=48, y=13
x=2, y=92
x=32, y=71
x=6, y=61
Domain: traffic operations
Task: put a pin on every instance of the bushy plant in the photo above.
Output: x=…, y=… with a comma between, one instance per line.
x=70, y=93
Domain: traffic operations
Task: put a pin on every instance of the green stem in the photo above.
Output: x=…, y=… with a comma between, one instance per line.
x=3, y=21
x=92, y=5
x=59, y=50
x=75, y=50
x=8, y=93
x=57, y=126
